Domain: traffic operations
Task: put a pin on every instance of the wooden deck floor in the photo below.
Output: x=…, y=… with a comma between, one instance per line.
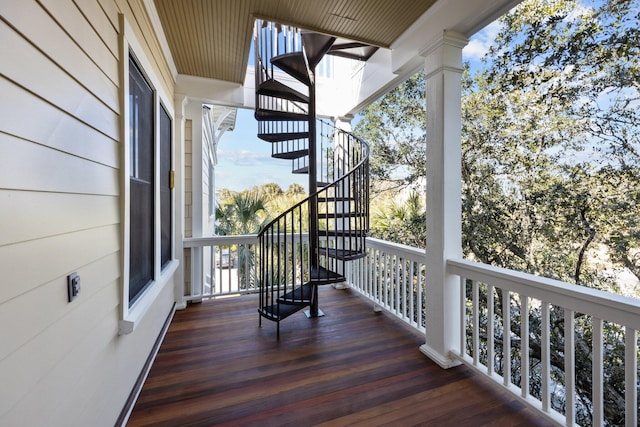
x=352, y=367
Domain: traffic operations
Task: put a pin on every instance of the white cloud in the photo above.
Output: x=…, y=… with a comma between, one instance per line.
x=243, y=157
x=480, y=42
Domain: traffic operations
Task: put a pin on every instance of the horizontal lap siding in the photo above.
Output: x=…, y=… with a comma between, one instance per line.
x=63, y=363
x=143, y=29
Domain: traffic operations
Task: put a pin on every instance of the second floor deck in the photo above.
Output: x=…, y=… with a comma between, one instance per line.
x=354, y=366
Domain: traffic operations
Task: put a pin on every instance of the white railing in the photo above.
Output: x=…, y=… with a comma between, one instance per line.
x=537, y=362
x=224, y=265
x=219, y=265
x=393, y=277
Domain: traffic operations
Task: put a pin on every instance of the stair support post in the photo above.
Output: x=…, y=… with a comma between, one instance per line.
x=313, y=188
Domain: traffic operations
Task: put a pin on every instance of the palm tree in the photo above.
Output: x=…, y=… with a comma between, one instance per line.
x=244, y=213
x=401, y=223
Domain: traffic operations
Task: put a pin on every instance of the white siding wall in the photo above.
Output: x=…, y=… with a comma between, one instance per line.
x=64, y=364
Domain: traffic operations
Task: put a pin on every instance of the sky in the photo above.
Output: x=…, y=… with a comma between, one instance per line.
x=245, y=161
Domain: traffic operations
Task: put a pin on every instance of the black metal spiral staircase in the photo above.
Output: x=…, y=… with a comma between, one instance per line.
x=311, y=243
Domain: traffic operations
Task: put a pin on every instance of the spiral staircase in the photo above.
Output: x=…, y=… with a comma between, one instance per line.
x=311, y=243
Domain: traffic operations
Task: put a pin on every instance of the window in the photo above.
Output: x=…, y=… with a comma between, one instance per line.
x=166, y=184
x=141, y=144
x=147, y=204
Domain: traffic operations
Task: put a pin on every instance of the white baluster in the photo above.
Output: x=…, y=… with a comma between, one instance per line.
x=546, y=359
x=524, y=345
x=631, y=376
x=597, y=368
x=463, y=315
x=506, y=336
x=569, y=366
x=490, y=330
x=476, y=321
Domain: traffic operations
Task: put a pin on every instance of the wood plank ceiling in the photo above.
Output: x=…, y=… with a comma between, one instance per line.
x=212, y=38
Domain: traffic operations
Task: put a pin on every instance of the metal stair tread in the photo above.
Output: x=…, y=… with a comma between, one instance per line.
x=333, y=215
x=328, y=199
x=293, y=64
x=278, y=89
x=283, y=136
x=353, y=50
x=299, y=296
x=316, y=45
x=278, y=312
x=291, y=155
x=303, y=170
x=275, y=115
x=341, y=254
x=323, y=276
x=342, y=233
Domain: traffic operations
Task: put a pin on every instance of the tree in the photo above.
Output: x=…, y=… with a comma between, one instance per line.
x=242, y=213
x=295, y=190
x=559, y=85
x=400, y=222
x=550, y=161
x=394, y=126
x=269, y=191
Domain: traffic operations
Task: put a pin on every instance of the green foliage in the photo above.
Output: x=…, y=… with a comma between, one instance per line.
x=401, y=223
x=248, y=211
x=241, y=213
x=550, y=165
x=394, y=126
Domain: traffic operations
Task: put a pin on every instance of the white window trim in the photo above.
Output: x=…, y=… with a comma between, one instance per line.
x=130, y=317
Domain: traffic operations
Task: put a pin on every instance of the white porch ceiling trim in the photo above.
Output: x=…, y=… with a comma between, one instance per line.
x=444, y=16
x=162, y=39
x=210, y=91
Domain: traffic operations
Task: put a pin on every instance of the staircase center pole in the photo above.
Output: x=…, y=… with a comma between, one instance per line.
x=313, y=186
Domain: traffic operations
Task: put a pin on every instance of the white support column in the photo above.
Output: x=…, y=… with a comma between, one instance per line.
x=443, y=73
x=194, y=112
x=180, y=103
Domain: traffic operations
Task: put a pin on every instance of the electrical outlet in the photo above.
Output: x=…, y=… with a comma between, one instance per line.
x=73, y=286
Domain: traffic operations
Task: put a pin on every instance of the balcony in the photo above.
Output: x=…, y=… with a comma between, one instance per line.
x=360, y=365
x=352, y=367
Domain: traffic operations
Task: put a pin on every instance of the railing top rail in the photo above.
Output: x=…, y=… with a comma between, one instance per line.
x=244, y=239
x=405, y=251
x=603, y=305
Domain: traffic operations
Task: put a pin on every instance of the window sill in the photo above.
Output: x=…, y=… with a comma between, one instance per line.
x=146, y=300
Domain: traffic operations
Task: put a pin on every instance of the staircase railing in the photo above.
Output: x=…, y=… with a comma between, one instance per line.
x=271, y=40
x=336, y=213
x=285, y=264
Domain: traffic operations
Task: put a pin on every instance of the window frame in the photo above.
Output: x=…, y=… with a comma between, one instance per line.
x=142, y=183
x=132, y=314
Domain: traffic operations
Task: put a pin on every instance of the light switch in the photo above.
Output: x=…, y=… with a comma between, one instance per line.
x=73, y=286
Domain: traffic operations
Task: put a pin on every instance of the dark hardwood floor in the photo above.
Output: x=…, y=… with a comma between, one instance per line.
x=351, y=367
